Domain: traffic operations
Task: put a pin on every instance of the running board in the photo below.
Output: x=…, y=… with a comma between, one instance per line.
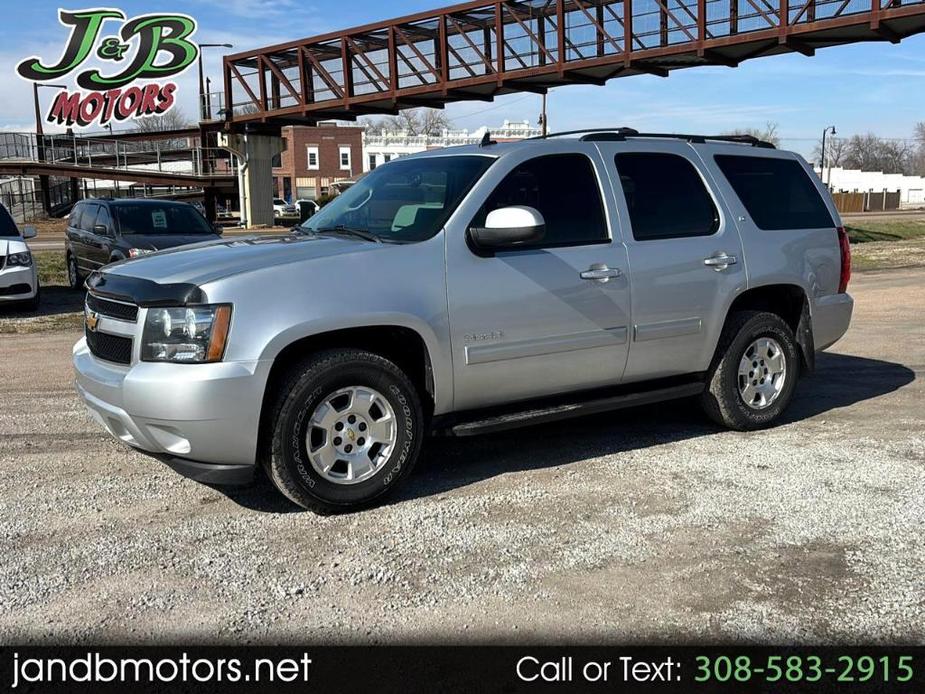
x=568, y=410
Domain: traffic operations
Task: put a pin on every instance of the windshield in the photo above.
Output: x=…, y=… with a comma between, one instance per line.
x=161, y=219
x=403, y=201
x=7, y=225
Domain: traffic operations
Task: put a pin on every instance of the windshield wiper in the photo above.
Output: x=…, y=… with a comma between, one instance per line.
x=349, y=231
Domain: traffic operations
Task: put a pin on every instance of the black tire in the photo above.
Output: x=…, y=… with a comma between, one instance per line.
x=722, y=400
x=74, y=279
x=308, y=384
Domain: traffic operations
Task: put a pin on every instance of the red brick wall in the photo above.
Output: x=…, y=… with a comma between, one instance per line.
x=329, y=139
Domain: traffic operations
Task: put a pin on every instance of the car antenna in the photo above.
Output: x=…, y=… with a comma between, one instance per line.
x=486, y=140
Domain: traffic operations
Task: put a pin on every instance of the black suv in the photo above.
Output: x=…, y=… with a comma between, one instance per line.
x=100, y=232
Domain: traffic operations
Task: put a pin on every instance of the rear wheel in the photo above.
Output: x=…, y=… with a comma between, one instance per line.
x=346, y=428
x=754, y=373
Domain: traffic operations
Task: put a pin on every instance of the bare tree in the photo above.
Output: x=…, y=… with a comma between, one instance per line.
x=917, y=163
x=433, y=122
x=871, y=153
x=767, y=134
x=172, y=120
x=420, y=121
x=836, y=149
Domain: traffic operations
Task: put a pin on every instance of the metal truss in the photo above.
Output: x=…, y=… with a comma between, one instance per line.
x=479, y=50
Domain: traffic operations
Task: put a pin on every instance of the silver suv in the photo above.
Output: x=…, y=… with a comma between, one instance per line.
x=469, y=290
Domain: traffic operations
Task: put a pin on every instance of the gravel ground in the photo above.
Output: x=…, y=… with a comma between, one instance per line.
x=649, y=525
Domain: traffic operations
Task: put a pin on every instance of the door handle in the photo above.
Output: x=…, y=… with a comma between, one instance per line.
x=720, y=261
x=601, y=273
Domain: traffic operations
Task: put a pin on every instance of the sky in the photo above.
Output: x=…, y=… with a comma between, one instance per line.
x=873, y=87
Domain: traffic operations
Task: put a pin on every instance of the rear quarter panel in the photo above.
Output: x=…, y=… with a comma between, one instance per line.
x=809, y=258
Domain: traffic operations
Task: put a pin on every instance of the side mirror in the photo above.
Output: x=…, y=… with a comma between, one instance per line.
x=509, y=227
x=101, y=230
x=29, y=232
x=218, y=229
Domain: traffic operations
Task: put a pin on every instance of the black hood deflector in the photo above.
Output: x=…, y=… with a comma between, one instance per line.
x=143, y=292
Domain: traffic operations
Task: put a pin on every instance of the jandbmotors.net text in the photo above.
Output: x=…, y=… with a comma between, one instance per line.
x=94, y=668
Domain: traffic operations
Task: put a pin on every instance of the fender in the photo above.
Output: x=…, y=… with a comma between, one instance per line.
x=441, y=373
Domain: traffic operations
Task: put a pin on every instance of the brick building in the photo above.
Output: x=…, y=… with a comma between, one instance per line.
x=316, y=157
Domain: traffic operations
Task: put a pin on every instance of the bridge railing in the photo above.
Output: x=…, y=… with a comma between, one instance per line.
x=478, y=49
x=178, y=155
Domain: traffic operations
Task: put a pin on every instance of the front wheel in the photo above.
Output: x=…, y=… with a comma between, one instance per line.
x=73, y=273
x=347, y=427
x=754, y=372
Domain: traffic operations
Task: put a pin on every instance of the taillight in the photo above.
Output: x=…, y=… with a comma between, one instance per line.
x=845, y=247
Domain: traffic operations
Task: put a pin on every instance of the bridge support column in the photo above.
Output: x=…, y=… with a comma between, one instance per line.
x=255, y=158
x=209, y=203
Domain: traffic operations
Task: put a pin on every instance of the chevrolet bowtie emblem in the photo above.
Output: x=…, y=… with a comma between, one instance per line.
x=93, y=320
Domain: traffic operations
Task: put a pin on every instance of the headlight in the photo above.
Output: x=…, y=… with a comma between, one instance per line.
x=23, y=259
x=135, y=252
x=192, y=335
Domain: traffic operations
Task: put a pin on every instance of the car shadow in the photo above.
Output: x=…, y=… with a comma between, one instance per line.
x=56, y=300
x=451, y=463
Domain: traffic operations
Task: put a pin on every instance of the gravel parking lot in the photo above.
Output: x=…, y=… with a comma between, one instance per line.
x=649, y=525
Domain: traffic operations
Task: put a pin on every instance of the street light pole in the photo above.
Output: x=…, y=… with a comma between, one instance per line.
x=822, y=172
x=203, y=115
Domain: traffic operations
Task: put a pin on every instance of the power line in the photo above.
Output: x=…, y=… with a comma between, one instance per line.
x=493, y=108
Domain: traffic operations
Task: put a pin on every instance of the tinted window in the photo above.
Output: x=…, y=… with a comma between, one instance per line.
x=103, y=218
x=564, y=188
x=406, y=201
x=665, y=196
x=151, y=218
x=777, y=193
x=7, y=225
x=73, y=220
x=88, y=217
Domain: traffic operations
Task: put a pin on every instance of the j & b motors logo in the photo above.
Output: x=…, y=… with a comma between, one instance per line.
x=121, y=66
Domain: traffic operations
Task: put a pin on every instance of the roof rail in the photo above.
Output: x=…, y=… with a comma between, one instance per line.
x=620, y=130
x=621, y=134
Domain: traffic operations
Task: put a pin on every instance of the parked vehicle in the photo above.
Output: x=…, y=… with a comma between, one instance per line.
x=472, y=290
x=100, y=232
x=19, y=279
x=281, y=208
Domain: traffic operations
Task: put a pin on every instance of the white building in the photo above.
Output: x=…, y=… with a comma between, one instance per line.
x=382, y=148
x=911, y=188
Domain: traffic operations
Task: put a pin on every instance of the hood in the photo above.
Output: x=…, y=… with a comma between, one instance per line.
x=210, y=261
x=11, y=244
x=157, y=242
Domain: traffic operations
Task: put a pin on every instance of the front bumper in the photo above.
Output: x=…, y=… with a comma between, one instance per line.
x=831, y=318
x=23, y=277
x=201, y=419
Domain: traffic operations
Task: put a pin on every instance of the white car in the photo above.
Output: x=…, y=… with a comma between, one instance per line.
x=19, y=279
x=281, y=208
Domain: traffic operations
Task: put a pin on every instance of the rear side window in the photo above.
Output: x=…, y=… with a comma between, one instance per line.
x=565, y=190
x=666, y=197
x=777, y=193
